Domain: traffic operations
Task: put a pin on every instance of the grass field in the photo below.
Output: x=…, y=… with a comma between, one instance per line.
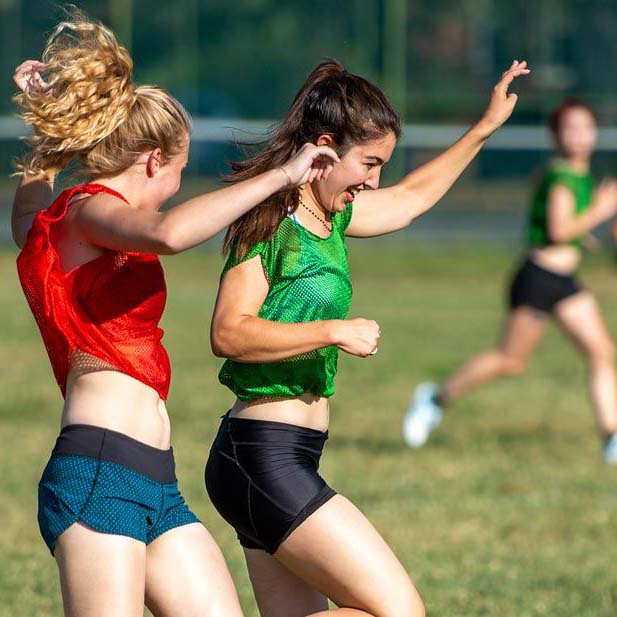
x=507, y=512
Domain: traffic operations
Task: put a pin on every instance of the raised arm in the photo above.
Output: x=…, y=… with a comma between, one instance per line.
x=563, y=222
x=382, y=211
x=107, y=222
x=33, y=193
x=31, y=196
x=239, y=334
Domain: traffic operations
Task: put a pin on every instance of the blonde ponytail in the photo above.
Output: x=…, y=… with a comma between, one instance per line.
x=91, y=109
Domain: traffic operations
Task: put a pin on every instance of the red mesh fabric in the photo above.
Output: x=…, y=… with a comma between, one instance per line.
x=108, y=308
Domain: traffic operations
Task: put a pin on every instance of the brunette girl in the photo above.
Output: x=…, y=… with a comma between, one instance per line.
x=280, y=321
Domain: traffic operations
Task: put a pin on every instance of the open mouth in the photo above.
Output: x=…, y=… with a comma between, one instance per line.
x=351, y=194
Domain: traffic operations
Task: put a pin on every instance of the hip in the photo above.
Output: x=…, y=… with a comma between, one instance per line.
x=309, y=411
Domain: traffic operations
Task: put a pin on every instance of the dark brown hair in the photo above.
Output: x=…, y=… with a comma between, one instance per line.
x=330, y=102
x=571, y=102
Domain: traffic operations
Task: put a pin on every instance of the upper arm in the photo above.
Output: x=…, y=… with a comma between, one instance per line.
x=561, y=211
x=32, y=196
x=108, y=222
x=242, y=292
x=380, y=211
x=20, y=226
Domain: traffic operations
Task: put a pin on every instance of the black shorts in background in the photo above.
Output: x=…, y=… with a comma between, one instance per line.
x=540, y=289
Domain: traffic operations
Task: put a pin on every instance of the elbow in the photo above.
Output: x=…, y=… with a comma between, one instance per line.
x=18, y=237
x=168, y=237
x=166, y=241
x=19, y=241
x=224, y=342
x=559, y=236
x=417, y=199
x=217, y=344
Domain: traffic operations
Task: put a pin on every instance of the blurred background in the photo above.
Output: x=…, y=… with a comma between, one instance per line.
x=236, y=65
x=508, y=511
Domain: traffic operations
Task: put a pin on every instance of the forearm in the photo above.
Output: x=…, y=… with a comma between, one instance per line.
x=577, y=227
x=251, y=339
x=387, y=210
x=426, y=185
x=201, y=218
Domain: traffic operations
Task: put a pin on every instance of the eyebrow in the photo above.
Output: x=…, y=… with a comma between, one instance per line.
x=377, y=159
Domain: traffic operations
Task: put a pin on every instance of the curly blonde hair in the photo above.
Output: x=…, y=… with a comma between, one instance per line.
x=91, y=110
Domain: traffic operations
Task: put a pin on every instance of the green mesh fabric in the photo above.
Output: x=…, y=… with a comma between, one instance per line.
x=581, y=186
x=309, y=280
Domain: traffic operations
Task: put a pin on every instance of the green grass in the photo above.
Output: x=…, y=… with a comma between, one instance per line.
x=508, y=512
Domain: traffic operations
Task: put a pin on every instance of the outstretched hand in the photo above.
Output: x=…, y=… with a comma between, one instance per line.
x=502, y=103
x=310, y=163
x=28, y=75
x=604, y=201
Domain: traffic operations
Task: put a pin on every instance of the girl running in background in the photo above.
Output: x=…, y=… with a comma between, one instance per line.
x=564, y=210
x=109, y=506
x=280, y=320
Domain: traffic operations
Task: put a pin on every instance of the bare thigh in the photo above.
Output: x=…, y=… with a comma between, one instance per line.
x=186, y=575
x=523, y=330
x=100, y=574
x=580, y=318
x=339, y=553
x=278, y=591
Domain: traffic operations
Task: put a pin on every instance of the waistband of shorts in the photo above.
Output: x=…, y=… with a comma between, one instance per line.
x=106, y=445
x=271, y=431
x=530, y=263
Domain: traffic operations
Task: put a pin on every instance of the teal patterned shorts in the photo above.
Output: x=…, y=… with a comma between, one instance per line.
x=112, y=483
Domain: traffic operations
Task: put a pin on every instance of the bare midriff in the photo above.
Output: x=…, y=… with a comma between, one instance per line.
x=308, y=410
x=118, y=402
x=560, y=258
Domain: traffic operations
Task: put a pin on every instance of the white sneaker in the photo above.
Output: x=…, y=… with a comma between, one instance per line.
x=609, y=450
x=422, y=417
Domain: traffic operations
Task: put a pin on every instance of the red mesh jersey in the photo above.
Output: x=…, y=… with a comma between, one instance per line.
x=107, y=309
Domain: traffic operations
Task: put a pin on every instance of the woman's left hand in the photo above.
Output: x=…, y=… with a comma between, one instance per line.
x=502, y=103
x=310, y=163
x=28, y=75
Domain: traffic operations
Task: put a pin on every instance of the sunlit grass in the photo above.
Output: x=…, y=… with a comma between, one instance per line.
x=508, y=511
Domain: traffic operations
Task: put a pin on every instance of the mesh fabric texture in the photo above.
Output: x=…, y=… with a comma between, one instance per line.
x=308, y=278
x=103, y=313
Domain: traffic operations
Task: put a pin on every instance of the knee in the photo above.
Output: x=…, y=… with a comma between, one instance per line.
x=602, y=351
x=512, y=366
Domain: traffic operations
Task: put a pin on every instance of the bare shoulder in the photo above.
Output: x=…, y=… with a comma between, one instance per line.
x=86, y=207
x=560, y=194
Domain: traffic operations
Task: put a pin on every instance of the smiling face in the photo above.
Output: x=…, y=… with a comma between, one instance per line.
x=359, y=169
x=577, y=132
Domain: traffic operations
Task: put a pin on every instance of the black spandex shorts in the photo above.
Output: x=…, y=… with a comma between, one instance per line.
x=539, y=288
x=262, y=478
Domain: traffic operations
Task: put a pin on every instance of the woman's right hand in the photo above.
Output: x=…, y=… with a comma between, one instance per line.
x=604, y=202
x=310, y=163
x=359, y=337
x=28, y=75
x=501, y=104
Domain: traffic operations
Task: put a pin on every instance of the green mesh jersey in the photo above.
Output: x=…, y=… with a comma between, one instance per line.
x=308, y=280
x=581, y=186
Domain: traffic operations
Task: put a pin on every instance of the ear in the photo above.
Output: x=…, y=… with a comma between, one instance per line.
x=153, y=164
x=325, y=140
